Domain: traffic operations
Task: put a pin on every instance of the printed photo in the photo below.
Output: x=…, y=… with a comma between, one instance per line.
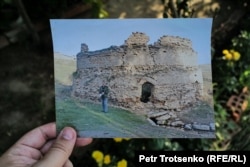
x=134, y=78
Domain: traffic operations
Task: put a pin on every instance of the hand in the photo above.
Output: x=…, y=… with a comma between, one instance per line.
x=40, y=147
x=100, y=95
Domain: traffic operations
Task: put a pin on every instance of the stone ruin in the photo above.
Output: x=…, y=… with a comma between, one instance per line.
x=156, y=80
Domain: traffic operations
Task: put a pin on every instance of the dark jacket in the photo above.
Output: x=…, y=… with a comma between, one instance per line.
x=104, y=90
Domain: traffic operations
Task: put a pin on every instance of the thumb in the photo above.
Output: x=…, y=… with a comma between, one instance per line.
x=60, y=150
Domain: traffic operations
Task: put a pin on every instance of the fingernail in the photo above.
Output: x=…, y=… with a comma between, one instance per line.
x=67, y=134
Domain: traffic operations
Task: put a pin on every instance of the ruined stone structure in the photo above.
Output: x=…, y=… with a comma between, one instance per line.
x=142, y=78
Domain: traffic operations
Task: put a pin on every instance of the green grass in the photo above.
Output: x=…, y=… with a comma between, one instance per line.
x=89, y=121
x=88, y=118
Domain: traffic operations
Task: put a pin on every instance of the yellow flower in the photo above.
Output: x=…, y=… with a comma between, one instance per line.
x=231, y=55
x=97, y=155
x=228, y=56
x=122, y=163
x=225, y=51
x=107, y=159
x=236, y=55
x=118, y=139
x=126, y=139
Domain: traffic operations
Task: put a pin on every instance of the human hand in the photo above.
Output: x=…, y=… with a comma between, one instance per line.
x=100, y=95
x=41, y=148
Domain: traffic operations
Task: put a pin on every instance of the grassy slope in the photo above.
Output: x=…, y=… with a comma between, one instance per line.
x=64, y=67
x=89, y=121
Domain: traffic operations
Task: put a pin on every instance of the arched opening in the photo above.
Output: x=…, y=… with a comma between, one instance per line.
x=146, y=92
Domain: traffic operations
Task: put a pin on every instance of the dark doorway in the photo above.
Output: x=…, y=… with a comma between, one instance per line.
x=146, y=92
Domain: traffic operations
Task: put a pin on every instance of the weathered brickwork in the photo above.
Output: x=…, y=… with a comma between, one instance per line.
x=169, y=67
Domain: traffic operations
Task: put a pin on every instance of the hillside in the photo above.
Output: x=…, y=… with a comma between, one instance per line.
x=64, y=66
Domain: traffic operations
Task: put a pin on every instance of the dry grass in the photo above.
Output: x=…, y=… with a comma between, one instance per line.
x=64, y=68
x=207, y=84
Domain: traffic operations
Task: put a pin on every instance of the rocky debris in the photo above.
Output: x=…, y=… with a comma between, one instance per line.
x=177, y=124
x=172, y=114
x=161, y=122
x=188, y=126
x=156, y=114
x=201, y=127
x=167, y=118
x=164, y=117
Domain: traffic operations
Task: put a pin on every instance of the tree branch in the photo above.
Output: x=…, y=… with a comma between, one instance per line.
x=27, y=20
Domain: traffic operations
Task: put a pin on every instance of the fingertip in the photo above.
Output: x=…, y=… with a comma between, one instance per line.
x=60, y=150
x=68, y=133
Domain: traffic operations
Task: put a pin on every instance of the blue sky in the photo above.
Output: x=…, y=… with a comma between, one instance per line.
x=68, y=34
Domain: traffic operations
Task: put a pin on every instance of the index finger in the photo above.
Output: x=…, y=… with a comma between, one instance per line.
x=37, y=137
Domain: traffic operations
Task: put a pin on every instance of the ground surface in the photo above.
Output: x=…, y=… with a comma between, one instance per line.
x=88, y=119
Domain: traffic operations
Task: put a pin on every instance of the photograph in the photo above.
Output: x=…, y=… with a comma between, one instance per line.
x=124, y=83
x=134, y=78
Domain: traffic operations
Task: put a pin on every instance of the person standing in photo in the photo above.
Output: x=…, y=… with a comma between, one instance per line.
x=104, y=90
